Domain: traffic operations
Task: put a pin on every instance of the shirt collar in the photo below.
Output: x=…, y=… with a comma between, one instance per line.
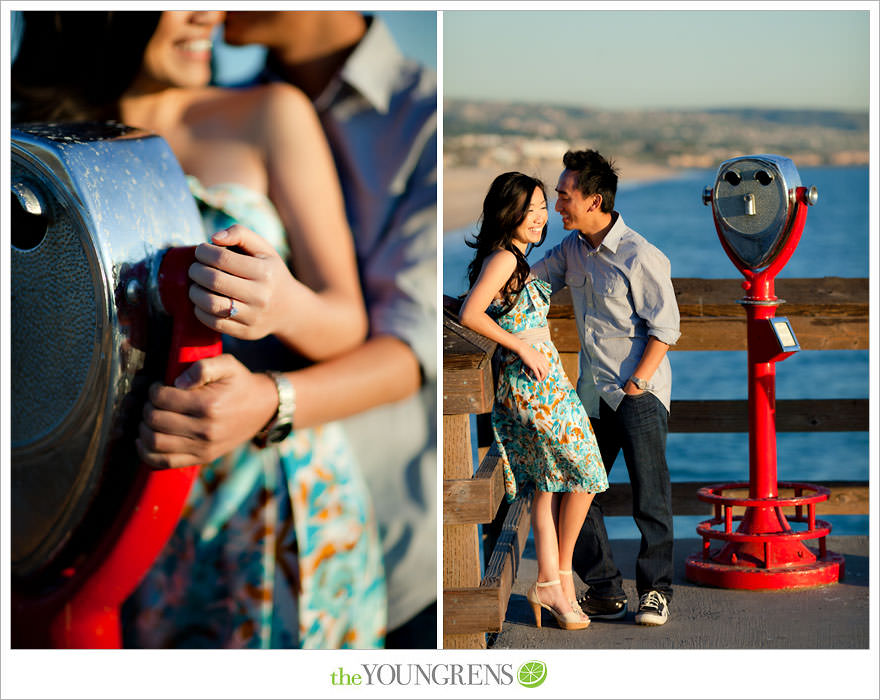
x=370, y=70
x=612, y=238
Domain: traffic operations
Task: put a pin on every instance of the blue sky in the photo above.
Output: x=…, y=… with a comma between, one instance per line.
x=661, y=59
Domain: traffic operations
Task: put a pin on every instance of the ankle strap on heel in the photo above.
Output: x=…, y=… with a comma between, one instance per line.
x=544, y=584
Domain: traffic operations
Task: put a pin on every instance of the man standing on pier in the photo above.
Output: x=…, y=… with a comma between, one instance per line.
x=627, y=318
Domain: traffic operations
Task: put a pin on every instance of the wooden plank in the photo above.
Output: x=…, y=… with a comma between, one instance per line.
x=469, y=611
x=467, y=369
x=847, y=498
x=729, y=333
x=825, y=296
x=476, y=500
x=511, y=541
x=792, y=416
x=467, y=389
x=828, y=313
x=699, y=297
x=482, y=609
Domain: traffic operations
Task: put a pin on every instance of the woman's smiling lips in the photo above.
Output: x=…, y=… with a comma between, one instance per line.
x=196, y=48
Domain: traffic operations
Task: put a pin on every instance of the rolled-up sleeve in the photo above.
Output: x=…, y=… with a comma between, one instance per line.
x=400, y=277
x=654, y=296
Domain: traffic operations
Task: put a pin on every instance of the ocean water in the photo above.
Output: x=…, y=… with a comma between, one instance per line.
x=672, y=216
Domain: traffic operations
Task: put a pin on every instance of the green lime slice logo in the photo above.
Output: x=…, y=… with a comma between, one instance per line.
x=531, y=674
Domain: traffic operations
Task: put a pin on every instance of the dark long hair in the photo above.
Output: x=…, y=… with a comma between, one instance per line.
x=505, y=207
x=74, y=66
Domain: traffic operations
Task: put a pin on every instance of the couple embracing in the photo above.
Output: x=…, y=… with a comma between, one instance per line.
x=557, y=442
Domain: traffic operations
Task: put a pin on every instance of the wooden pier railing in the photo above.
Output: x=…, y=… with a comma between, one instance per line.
x=826, y=314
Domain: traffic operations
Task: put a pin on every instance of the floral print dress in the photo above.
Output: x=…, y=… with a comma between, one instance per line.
x=277, y=547
x=541, y=428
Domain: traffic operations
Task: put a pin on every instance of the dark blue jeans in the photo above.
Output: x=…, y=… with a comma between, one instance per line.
x=639, y=428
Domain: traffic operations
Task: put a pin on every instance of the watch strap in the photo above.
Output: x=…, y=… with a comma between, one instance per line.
x=639, y=383
x=281, y=424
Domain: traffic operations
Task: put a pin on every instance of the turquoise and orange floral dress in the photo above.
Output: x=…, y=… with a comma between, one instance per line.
x=541, y=428
x=277, y=547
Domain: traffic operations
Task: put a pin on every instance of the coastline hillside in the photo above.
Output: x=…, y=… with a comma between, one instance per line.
x=482, y=139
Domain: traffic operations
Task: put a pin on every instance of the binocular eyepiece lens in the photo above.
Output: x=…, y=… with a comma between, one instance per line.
x=763, y=177
x=28, y=218
x=732, y=177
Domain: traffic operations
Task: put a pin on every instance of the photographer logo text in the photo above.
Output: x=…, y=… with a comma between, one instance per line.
x=530, y=674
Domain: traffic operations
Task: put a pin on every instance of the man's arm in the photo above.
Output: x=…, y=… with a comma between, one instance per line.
x=400, y=285
x=382, y=370
x=551, y=268
x=654, y=353
x=654, y=301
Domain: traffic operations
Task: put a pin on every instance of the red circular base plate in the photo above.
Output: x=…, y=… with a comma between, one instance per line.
x=823, y=571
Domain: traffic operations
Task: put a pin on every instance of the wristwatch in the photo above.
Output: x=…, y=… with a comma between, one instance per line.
x=281, y=424
x=641, y=384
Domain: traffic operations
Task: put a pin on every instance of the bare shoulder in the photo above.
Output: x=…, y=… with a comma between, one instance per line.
x=498, y=267
x=282, y=101
x=258, y=104
x=500, y=260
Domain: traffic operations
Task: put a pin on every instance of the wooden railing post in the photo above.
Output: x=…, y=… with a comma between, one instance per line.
x=467, y=389
x=461, y=549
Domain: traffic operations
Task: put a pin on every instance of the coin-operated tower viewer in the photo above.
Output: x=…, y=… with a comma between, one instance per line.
x=760, y=207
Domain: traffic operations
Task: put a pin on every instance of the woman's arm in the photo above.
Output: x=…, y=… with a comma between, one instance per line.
x=497, y=270
x=327, y=313
x=318, y=310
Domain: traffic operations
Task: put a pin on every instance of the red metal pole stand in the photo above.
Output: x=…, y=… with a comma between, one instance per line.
x=764, y=552
x=90, y=618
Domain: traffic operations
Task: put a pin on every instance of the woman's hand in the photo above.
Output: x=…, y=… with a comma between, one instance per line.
x=215, y=405
x=255, y=278
x=535, y=360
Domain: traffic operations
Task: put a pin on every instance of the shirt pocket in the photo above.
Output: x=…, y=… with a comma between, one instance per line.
x=614, y=310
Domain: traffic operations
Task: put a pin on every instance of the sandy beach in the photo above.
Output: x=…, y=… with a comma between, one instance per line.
x=465, y=187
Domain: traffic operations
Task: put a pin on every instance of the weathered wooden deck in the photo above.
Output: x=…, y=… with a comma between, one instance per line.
x=825, y=617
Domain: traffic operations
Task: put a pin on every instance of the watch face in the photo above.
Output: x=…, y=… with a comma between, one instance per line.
x=279, y=432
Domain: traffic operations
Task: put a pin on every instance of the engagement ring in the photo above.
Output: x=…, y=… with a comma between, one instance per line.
x=232, y=309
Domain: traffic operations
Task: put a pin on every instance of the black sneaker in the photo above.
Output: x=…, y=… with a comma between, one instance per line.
x=653, y=609
x=603, y=608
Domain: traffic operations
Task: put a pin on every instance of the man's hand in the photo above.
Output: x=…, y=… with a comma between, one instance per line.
x=631, y=389
x=215, y=405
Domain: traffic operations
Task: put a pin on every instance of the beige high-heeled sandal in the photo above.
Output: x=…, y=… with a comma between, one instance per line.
x=574, y=604
x=570, y=620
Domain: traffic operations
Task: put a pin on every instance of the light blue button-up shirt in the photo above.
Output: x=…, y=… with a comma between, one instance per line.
x=622, y=295
x=380, y=117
